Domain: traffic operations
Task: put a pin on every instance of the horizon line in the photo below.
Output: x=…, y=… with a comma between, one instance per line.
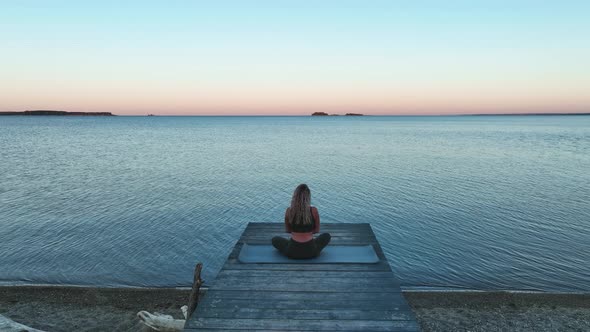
x=325, y=115
x=355, y=116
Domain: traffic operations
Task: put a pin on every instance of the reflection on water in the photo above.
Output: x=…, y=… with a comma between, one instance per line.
x=469, y=202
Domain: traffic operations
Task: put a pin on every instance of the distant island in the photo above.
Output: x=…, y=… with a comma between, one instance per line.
x=522, y=114
x=326, y=114
x=466, y=114
x=61, y=113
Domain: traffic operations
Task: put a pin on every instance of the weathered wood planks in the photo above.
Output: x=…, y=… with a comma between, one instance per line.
x=304, y=297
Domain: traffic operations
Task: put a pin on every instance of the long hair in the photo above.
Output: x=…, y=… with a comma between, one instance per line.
x=300, y=212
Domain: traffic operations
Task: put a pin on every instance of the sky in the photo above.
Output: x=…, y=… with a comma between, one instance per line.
x=295, y=57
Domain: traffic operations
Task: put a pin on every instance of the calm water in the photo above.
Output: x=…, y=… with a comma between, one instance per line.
x=461, y=202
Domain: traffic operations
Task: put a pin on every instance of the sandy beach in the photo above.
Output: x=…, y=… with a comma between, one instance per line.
x=87, y=309
x=114, y=309
x=500, y=311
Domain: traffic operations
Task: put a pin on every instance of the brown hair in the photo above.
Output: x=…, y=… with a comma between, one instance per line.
x=300, y=212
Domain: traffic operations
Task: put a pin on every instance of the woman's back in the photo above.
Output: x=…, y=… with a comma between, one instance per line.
x=301, y=220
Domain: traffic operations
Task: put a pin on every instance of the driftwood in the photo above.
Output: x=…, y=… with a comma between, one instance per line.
x=8, y=325
x=160, y=322
x=193, y=300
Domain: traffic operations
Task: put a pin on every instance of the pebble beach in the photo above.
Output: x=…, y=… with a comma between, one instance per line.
x=114, y=309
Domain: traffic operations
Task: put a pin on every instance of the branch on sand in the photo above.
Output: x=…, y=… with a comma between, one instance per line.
x=160, y=322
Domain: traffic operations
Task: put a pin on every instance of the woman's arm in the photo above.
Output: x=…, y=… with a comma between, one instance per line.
x=287, y=224
x=316, y=217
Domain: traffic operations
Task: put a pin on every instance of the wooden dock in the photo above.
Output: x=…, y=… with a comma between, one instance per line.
x=304, y=297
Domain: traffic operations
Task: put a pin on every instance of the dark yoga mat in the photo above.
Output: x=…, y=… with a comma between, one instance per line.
x=330, y=254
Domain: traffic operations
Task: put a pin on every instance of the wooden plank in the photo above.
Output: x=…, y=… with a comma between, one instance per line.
x=328, y=226
x=413, y=329
x=276, y=229
x=314, y=284
x=326, y=229
x=299, y=280
x=267, y=330
x=307, y=274
x=236, y=252
x=303, y=325
x=238, y=247
x=337, y=234
x=307, y=288
x=250, y=330
x=342, y=240
x=398, y=304
x=233, y=264
x=315, y=313
x=299, y=296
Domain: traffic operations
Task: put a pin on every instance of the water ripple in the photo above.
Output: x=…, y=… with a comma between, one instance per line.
x=456, y=202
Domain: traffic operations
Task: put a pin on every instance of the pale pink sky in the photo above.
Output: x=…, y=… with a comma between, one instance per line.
x=295, y=58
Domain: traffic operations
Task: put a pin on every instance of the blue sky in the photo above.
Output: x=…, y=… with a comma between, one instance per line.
x=295, y=57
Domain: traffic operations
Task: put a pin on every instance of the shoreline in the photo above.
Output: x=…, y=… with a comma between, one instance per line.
x=67, y=308
x=412, y=289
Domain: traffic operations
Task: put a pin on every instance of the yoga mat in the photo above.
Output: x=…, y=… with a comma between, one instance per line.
x=330, y=254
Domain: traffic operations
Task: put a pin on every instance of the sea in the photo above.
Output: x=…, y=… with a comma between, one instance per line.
x=457, y=202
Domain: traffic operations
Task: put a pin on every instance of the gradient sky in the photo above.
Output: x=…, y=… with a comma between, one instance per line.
x=295, y=57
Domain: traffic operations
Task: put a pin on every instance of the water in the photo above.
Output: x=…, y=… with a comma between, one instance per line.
x=456, y=202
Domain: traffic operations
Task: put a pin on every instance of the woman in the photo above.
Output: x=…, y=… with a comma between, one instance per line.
x=301, y=220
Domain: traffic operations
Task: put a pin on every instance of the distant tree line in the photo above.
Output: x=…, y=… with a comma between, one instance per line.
x=62, y=113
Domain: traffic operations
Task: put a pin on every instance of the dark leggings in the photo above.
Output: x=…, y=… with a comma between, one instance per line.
x=301, y=250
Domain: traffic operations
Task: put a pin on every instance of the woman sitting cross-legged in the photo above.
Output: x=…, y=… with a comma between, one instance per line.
x=301, y=220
